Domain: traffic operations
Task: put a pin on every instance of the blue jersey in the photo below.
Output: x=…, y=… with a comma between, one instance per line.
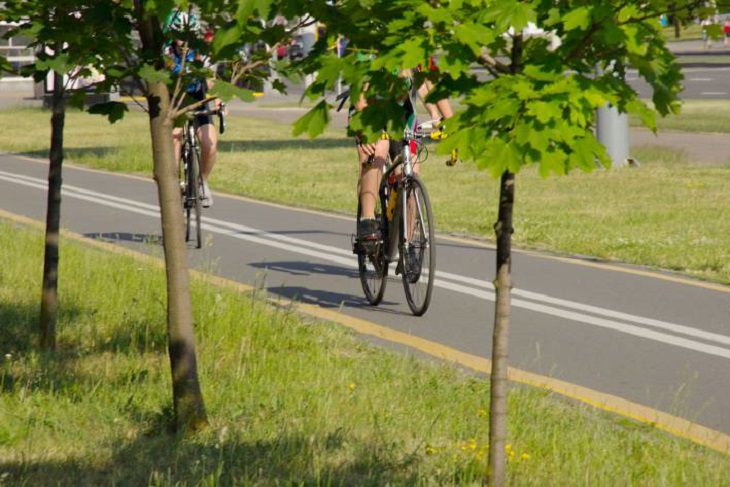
x=176, y=66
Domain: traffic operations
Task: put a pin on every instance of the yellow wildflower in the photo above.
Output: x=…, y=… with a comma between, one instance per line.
x=524, y=456
x=352, y=386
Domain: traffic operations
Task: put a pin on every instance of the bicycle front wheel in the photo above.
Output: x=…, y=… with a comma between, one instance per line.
x=194, y=205
x=372, y=267
x=418, y=246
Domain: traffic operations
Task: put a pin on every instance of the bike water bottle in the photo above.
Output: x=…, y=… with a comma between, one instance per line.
x=392, y=197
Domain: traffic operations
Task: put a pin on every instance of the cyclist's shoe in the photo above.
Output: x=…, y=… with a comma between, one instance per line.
x=368, y=234
x=206, y=197
x=453, y=159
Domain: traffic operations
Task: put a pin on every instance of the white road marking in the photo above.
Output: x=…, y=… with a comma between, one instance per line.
x=524, y=299
x=699, y=79
x=713, y=93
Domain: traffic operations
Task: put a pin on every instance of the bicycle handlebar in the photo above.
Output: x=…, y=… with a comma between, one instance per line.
x=215, y=111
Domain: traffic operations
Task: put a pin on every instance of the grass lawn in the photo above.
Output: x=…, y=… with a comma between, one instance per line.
x=291, y=401
x=710, y=116
x=668, y=214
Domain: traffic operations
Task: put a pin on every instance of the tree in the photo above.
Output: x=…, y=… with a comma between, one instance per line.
x=235, y=25
x=537, y=107
x=71, y=38
x=99, y=34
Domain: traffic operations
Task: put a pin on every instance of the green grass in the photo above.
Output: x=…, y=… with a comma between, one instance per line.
x=711, y=116
x=668, y=214
x=291, y=401
x=686, y=33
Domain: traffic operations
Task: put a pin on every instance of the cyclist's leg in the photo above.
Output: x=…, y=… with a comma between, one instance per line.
x=177, y=134
x=370, y=173
x=208, y=149
x=433, y=110
x=371, y=170
x=208, y=153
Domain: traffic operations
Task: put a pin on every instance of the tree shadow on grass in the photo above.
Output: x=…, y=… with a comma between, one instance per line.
x=75, y=152
x=167, y=459
x=19, y=324
x=283, y=144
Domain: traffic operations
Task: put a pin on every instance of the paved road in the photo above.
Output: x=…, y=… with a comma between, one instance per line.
x=658, y=342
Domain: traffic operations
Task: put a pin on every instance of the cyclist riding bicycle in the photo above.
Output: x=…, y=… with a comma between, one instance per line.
x=372, y=156
x=178, y=57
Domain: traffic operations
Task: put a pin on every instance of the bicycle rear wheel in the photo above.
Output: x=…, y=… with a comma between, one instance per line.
x=418, y=249
x=193, y=206
x=372, y=266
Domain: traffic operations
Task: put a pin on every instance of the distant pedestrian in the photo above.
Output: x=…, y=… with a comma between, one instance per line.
x=726, y=31
x=704, y=24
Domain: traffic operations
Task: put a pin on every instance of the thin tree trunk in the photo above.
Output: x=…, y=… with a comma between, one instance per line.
x=503, y=285
x=49, y=294
x=187, y=397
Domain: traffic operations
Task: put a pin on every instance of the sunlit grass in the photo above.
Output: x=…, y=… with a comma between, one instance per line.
x=291, y=401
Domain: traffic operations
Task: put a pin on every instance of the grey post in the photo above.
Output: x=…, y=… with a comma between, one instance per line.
x=612, y=130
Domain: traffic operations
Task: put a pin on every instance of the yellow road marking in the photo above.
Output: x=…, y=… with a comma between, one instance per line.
x=674, y=425
x=463, y=240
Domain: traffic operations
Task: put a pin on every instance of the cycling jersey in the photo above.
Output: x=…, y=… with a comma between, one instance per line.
x=197, y=89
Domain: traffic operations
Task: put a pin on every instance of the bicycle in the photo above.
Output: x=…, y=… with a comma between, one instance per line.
x=190, y=180
x=406, y=229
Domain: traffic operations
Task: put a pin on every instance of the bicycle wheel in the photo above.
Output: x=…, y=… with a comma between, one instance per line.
x=372, y=266
x=417, y=249
x=185, y=190
x=194, y=206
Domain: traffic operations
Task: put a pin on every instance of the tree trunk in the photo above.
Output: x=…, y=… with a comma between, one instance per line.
x=187, y=397
x=503, y=285
x=49, y=294
x=677, y=26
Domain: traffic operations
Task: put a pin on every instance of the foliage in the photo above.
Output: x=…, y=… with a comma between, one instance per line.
x=74, y=38
x=534, y=98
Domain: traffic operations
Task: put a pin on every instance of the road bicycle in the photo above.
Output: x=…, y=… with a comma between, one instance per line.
x=406, y=228
x=190, y=179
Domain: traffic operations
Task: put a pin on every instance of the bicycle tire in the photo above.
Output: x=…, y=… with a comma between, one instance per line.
x=373, y=267
x=194, y=183
x=417, y=250
x=184, y=172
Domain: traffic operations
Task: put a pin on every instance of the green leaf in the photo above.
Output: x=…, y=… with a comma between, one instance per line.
x=511, y=14
x=314, y=121
x=226, y=91
x=113, y=110
x=474, y=36
x=226, y=37
x=579, y=18
x=60, y=64
x=544, y=111
x=148, y=73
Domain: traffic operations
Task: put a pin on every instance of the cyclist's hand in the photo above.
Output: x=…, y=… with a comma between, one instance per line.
x=368, y=149
x=218, y=103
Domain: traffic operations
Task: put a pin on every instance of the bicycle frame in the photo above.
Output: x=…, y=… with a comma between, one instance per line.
x=408, y=158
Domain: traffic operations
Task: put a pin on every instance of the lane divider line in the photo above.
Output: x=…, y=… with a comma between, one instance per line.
x=464, y=240
x=674, y=425
x=293, y=245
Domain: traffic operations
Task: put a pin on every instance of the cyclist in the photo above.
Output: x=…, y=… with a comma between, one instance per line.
x=178, y=55
x=371, y=156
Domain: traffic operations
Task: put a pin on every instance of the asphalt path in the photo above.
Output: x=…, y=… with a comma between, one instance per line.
x=652, y=340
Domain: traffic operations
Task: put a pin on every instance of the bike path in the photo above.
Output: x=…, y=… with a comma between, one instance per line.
x=655, y=341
